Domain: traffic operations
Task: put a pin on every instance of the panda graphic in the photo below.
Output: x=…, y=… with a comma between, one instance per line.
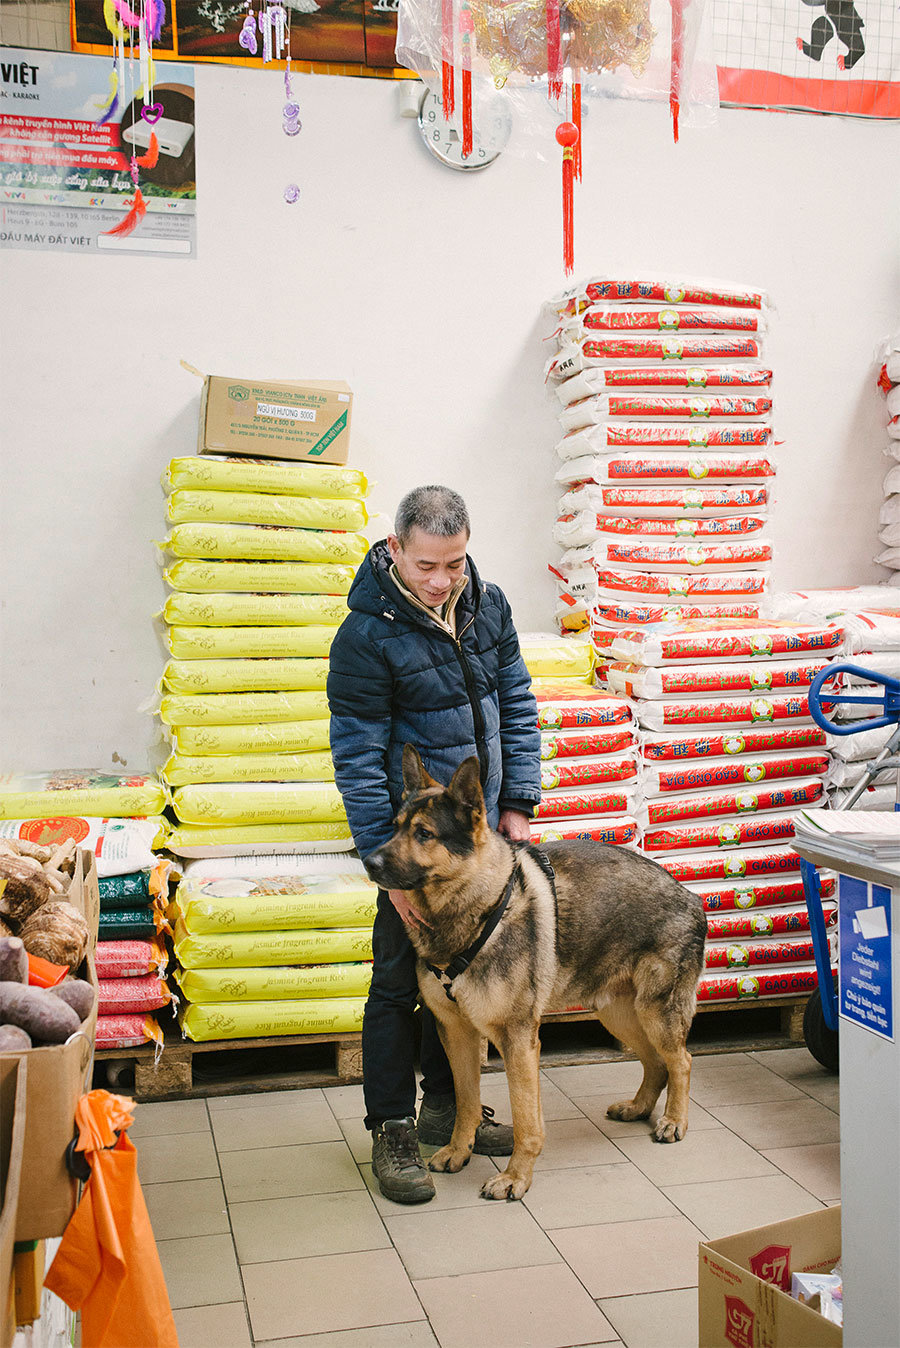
x=841, y=18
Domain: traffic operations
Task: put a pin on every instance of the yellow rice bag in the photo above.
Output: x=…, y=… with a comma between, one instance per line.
x=182, y=769
x=65, y=793
x=274, y=984
x=221, y=709
x=270, y=578
x=275, y=737
x=263, y=1020
x=259, y=803
x=255, y=610
x=231, y=840
x=244, y=676
x=254, y=949
x=265, y=543
x=245, y=507
x=279, y=643
x=293, y=479
x=555, y=682
x=274, y=903
x=551, y=656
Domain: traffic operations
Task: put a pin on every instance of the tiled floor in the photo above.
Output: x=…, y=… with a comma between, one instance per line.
x=272, y=1232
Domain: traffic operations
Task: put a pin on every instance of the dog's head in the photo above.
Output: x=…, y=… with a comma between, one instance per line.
x=437, y=830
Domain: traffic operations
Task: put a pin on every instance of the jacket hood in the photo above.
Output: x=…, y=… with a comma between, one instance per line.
x=373, y=590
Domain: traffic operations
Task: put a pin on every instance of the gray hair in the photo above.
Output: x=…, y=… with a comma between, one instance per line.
x=435, y=510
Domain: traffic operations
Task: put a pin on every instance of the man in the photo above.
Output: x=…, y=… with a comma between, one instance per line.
x=427, y=656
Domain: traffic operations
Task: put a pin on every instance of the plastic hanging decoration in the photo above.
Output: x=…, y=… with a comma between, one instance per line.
x=548, y=56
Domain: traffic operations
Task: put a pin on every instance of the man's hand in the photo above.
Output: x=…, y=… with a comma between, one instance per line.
x=410, y=916
x=514, y=825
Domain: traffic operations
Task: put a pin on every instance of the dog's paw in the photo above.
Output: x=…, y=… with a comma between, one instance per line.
x=669, y=1130
x=627, y=1111
x=449, y=1160
x=506, y=1186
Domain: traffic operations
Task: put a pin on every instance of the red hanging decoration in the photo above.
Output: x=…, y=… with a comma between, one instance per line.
x=151, y=158
x=448, y=89
x=554, y=51
x=567, y=136
x=677, y=63
x=467, y=28
x=132, y=219
x=576, y=118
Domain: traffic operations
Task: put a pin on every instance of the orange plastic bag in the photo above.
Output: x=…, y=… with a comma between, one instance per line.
x=107, y=1265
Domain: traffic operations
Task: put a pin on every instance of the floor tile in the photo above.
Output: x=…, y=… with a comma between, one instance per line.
x=597, y=1078
x=451, y=1191
x=594, y=1107
x=201, y=1271
x=358, y=1138
x=544, y=1307
x=269, y=1099
x=655, y=1320
x=628, y=1258
x=495, y=1093
x=817, y=1168
x=794, y=1064
x=213, y=1326
x=827, y=1090
x=780, y=1123
x=574, y=1142
x=713, y=1154
x=185, y=1156
x=337, y=1291
x=469, y=1240
x=345, y=1102
x=415, y=1334
x=306, y=1118
x=594, y=1194
x=168, y=1117
x=724, y=1207
x=292, y=1228
x=734, y=1079
x=288, y=1172
x=187, y=1208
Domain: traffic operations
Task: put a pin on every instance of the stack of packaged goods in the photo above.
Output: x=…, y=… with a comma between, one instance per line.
x=589, y=766
x=889, y=517
x=728, y=755
x=279, y=954
x=666, y=455
x=119, y=819
x=265, y=553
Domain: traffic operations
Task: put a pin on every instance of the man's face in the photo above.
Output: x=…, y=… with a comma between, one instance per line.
x=430, y=565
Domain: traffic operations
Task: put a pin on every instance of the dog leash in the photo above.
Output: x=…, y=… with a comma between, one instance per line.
x=461, y=962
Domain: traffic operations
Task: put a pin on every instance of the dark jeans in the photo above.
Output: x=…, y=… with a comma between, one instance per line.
x=388, y=1042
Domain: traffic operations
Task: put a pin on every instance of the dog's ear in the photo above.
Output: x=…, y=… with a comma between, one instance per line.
x=466, y=784
x=415, y=778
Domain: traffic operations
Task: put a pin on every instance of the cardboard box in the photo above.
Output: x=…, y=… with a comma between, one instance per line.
x=13, y=1073
x=742, y=1282
x=57, y=1077
x=309, y=421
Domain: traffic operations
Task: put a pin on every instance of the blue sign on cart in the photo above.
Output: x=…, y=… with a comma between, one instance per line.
x=866, y=967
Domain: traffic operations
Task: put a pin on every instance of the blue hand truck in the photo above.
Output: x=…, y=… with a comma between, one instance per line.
x=820, y=1019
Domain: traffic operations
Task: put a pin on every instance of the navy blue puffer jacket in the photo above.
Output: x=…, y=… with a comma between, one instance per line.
x=397, y=678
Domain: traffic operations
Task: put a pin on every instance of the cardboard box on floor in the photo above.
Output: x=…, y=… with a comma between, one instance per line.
x=269, y=419
x=13, y=1074
x=57, y=1077
x=742, y=1279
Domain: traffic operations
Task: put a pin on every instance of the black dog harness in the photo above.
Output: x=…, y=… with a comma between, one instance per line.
x=461, y=962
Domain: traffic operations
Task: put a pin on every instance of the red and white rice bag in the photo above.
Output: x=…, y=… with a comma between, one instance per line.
x=791, y=981
x=127, y=1031
x=615, y=830
x=591, y=741
x=734, y=831
x=626, y=614
x=697, y=680
x=737, y=897
x=721, y=712
x=697, y=348
x=120, y=846
x=667, y=748
x=657, y=500
x=751, y=465
x=871, y=630
x=695, y=587
x=709, y=639
x=633, y=436
x=603, y=407
x=775, y=859
x=647, y=318
x=561, y=707
x=610, y=289
x=567, y=773
x=585, y=528
x=763, y=922
x=793, y=795
x=600, y=378
x=563, y=804
x=655, y=554
x=132, y=996
x=130, y=958
x=661, y=779
x=659, y=593
x=749, y=953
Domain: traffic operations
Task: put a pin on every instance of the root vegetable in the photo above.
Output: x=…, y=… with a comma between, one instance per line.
x=26, y=890
x=37, y=1012
x=58, y=933
x=78, y=994
x=13, y=1040
x=13, y=960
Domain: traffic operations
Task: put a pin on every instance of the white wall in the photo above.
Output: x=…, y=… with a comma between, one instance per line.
x=423, y=288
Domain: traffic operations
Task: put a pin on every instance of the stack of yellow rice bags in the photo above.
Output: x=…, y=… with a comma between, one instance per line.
x=261, y=556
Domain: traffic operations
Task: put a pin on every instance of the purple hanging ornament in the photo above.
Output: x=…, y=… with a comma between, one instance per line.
x=247, y=36
x=277, y=15
x=264, y=22
x=292, y=194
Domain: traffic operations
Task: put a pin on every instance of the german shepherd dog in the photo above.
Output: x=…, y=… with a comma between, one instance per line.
x=618, y=935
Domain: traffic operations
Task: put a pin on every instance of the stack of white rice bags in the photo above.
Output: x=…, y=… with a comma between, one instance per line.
x=889, y=519
x=666, y=454
x=263, y=554
x=728, y=755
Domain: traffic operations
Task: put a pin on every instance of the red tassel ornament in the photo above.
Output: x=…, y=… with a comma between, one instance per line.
x=567, y=136
x=132, y=219
x=151, y=158
x=467, y=28
x=576, y=118
x=677, y=63
x=554, y=51
x=448, y=89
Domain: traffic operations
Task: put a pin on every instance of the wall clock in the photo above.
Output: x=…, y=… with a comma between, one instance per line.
x=444, y=139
